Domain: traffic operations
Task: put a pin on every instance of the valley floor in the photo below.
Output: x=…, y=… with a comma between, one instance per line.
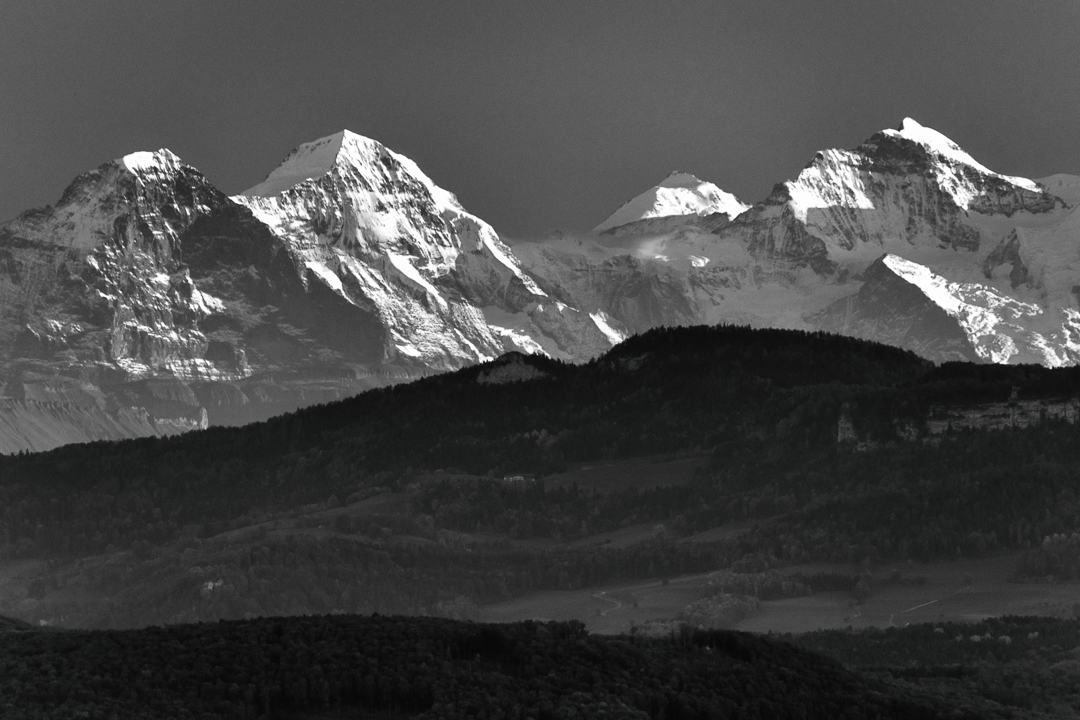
x=959, y=591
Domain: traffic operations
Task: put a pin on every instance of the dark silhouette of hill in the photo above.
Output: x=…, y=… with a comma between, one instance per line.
x=434, y=668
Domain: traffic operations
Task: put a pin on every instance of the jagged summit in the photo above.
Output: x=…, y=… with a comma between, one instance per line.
x=137, y=193
x=377, y=233
x=680, y=193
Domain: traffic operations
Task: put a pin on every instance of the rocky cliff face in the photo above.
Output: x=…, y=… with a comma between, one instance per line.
x=94, y=294
x=98, y=279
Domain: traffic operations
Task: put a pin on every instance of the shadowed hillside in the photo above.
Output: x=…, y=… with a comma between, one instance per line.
x=428, y=668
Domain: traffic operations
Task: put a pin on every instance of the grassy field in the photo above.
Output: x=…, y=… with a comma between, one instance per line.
x=961, y=590
x=611, y=609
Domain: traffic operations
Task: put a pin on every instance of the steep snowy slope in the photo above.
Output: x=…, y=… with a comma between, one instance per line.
x=960, y=233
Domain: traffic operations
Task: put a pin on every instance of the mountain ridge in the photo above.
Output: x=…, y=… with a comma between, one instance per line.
x=798, y=258
x=150, y=294
x=356, y=267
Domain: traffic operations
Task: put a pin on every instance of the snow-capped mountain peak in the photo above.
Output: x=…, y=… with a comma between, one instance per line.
x=371, y=226
x=346, y=188
x=134, y=195
x=163, y=160
x=347, y=152
x=680, y=179
x=905, y=188
x=942, y=146
x=680, y=193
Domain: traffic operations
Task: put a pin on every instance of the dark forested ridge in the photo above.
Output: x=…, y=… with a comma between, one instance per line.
x=1020, y=665
x=836, y=449
x=434, y=668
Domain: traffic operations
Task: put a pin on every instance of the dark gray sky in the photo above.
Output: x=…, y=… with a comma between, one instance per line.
x=538, y=115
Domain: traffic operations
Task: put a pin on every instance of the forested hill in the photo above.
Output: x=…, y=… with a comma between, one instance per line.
x=394, y=667
x=669, y=390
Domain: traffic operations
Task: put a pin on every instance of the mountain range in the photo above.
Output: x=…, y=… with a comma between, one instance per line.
x=147, y=302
